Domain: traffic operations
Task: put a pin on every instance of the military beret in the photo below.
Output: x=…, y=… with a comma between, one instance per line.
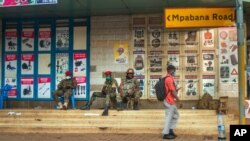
x=107, y=72
x=67, y=73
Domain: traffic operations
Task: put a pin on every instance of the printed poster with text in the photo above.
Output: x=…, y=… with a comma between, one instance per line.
x=228, y=56
x=62, y=38
x=139, y=37
x=208, y=57
x=10, y=65
x=141, y=79
x=80, y=91
x=207, y=38
x=191, y=87
x=44, y=39
x=208, y=82
x=44, y=87
x=13, y=82
x=139, y=62
x=173, y=39
x=10, y=40
x=80, y=64
x=27, y=64
x=191, y=62
x=174, y=58
x=155, y=37
x=27, y=88
x=191, y=39
x=28, y=39
x=121, y=53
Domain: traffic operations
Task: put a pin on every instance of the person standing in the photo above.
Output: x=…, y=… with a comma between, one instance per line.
x=171, y=111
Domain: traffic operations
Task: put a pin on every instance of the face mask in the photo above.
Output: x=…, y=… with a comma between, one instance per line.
x=108, y=77
x=130, y=75
x=68, y=77
x=173, y=73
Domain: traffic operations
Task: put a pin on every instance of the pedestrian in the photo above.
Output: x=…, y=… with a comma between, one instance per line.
x=171, y=111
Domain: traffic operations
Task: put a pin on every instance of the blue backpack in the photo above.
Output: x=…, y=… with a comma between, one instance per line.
x=160, y=89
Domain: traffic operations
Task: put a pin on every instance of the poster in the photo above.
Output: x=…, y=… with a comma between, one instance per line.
x=191, y=61
x=27, y=64
x=208, y=85
x=191, y=39
x=152, y=81
x=46, y=1
x=44, y=87
x=155, y=61
x=80, y=64
x=139, y=62
x=13, y=82
x=155, y=37
x=44, y=39
x=28, y=39
x=62, y=38
x=62, y=63
x=80, y=91
x=10, y=65
x=174, y=59
x=228, y=56
x=27, y=88
x=139, y=37
x=141, y=80
x=7, y=3
x=207, y=38
x=208, y=57
x=44, y=63
x=173, y=40
x=247, y=108
x=10, y=40
x=121, y=53
x=191, y=87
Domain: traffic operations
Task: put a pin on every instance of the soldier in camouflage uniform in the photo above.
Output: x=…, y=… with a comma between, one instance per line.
x=129, y=87
x=109, y=91
x=64, y=88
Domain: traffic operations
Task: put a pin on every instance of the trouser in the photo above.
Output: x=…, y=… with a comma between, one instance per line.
x=66, y=93
x=136, y=97
x=108, y=98
x=171, y=117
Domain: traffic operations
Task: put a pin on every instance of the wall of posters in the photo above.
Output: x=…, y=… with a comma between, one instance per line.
x=13, y=82
x=191, y=87
x=139, y=37
x=228, y=58
x=79, y=64
x=155, y=61
x=27, y=88
x=173, y=40
x=139, y=62
x=44, y=64
x=208, y=84
x=121, y=53
x=10, y=40
x=80, y=91
x=62, y=38
x=28, y=39
x=44, y=39
x=10, y=65
x=44, y=87
x=208, y=57
x=27, y=64
x=207, y=38
x=191, y=61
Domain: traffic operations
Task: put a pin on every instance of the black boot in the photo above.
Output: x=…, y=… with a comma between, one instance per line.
x=168, y=136
x=171, y=132
x=86, y=106
x=106, y=111
x=119, y=106
x=136, y=106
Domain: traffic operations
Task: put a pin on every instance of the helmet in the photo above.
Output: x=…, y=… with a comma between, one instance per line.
x=68, y=73
x=130, y=70
x=120, y=49
x=107, y=72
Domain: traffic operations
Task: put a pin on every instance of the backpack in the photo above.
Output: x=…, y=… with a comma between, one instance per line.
x=160, y=89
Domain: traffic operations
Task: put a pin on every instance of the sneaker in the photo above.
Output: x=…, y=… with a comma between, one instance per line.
x=168, y=136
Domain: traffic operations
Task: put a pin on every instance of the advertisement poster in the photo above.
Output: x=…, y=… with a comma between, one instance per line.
x=191, y=87
x=7, y=3
x=80, y=64
x=208, y=57
x=44, y=39
x=208, y=83
x=139, y=37
x=27, y=88
x=62, y=63
x=121, y=53
x=173, y=39
x=152, y=81
x=28, y=39
x=174, y=59
x=191, y=61
x=10, y=40
x=44, y=87
x=10, y=65
x=139, y=62
x=62, y=38
x=27, y=64
x=80, y=91
x=13, y=82
x=247, y=108
x=207, y=38
x=141, y=80
x=155, y=37
x=155, y=61
x=228, y=56
x=191, y=39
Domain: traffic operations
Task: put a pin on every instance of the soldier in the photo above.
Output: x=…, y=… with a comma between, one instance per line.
x=129, y=87
x=65, y=88
x=109, y=91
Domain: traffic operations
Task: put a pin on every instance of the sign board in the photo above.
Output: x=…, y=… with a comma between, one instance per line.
x=8, y=3
x=199, y=17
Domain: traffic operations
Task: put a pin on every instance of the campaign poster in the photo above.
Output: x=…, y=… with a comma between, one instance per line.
x=62, y=63
x=13, y=82
x=191, y=87
x=28, y=39
x=10, y=65
x=208, y=84
x=138, y=37
x=247, y=108
x=44, y=39
x=62, y=38
x=207, y=38
x=208, y=57
x=10, y=40
x=80, y=91
x=27, y=64
x=80, y=64
x=155, y=59
x=27, y=88
x=44, y=87
x=173, y=40
x=121, y=53
x=191, y=39
x=155, y=37
x=191, y=61
x=174, y=59
x=139, y=62
x=141, y=80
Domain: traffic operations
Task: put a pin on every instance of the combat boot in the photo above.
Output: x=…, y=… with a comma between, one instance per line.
x=86, y=106
x=136, y=106
x=65, y=105
x=60, y=105
x=119, y=106
x=106, y=111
